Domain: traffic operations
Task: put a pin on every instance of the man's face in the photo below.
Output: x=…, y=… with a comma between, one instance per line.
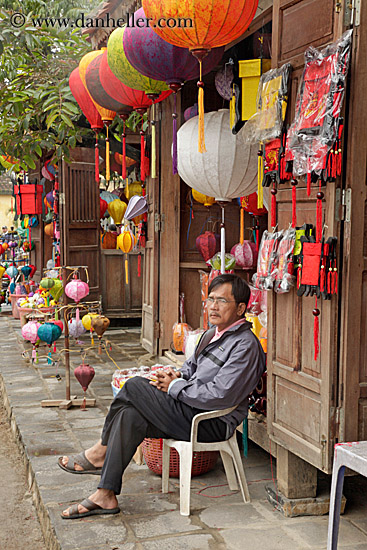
x=224, y=312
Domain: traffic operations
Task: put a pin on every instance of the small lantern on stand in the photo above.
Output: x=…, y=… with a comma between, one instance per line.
x=84, y=374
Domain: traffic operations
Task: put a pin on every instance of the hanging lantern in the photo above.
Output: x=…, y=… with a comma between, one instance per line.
x=116, y=209
x=245, y=254
x=30, y=333
x=84, y=374
x=49, y=333
x=12, y=271
x=89, y=109
x=107, y=115
x=207, y=245
x=107, y=196
x=136, y=207
x=76, y=328
x=100, y=324
x=203, y=199
x=47, y=283
x=226, y=171
x=132, y=189
x=2, y=271
x=223, y=82
x=26, y=270
x=102, y=207
x=87, y=320
x=126, y=241
x=77, y=290
x=214, y=24
x=155, y=58
x=249, y=204
x=57, y=289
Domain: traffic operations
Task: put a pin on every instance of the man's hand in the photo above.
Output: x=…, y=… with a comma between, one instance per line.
x=164, y=378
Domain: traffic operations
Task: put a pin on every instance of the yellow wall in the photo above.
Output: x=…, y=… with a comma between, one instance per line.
x=6, y=217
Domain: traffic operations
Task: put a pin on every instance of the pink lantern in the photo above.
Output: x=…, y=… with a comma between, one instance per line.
x=245, y=254
x=76, y=328
x=30, y=333
x=77, y=290
x=84, y=374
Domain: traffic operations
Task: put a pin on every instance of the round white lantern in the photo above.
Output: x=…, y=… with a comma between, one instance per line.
x=228, y=168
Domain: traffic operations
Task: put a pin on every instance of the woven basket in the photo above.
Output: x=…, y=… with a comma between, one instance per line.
x=202, y=461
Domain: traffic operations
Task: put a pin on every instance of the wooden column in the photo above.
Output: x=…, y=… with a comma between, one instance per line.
x=296, y=477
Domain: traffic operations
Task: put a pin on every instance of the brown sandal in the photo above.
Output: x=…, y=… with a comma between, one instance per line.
x=93, y=510
x=81, y=460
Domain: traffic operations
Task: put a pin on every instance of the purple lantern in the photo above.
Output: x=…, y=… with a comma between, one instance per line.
x=223, y=82
x=155, y=58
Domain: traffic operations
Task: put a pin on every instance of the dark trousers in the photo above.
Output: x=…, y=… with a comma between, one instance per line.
x=140, y=410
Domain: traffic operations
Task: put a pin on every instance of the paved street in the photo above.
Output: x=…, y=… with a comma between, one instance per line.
x=149, y=520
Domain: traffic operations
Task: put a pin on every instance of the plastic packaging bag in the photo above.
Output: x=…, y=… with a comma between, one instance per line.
x=190, y=341
x=284, y=278
x=318, y=105
x=229, y=261
x=267, y=123
x=267, y=261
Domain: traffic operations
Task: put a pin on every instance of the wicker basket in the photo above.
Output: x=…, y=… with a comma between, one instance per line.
x=202, y=461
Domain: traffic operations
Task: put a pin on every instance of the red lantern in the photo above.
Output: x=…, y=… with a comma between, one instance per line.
x=207, y=245
x=102, y=207
x=84, y=374
x=89, y=109
x=249, y=204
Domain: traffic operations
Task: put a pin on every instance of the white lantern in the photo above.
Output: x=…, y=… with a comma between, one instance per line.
x=228, y=168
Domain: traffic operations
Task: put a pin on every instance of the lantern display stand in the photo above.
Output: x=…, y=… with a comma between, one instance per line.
x=67, y=309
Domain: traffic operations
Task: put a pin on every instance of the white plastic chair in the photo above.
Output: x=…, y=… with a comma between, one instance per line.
x=229, y=452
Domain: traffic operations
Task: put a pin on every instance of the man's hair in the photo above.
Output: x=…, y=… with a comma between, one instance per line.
x=240, y=289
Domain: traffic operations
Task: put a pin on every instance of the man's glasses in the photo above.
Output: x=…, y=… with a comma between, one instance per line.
x=218, y=301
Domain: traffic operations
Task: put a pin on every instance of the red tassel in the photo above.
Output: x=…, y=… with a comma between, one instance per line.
x=308, y=184
x=316, y=331
x=322, y=278
x=123, y=173
x=294, y=204
x=257, y=240
x=142, y=156
x=329, y=286
x=320, y=196
x=335, y=279
x=299, y=272
x=54, y=347
x=273, y=214
x=96, y=161
x=339, y=163
x=139, y=265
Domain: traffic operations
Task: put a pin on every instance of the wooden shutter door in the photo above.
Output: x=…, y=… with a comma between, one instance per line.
x=80, y=224
x=301, y=391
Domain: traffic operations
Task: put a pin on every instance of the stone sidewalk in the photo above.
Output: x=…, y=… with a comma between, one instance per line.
x=149, y=520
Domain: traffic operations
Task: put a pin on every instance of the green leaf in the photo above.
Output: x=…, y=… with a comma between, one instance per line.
x=30, y=162
x=50, y=119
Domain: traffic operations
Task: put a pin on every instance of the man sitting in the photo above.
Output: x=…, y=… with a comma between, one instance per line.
x=225, y=368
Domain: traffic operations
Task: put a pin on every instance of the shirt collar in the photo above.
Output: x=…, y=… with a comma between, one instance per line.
x=218, y=334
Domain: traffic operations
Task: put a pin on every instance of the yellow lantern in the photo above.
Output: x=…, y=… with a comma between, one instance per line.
x=203, y=199
x=87, y=320
x=2, y=271
x=126, y=241
x=117, y=209
x=132, y=189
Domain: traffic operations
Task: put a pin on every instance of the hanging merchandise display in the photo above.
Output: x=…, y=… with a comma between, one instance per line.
x=88, y=107
x=250, y=71
x=28, y=197
x=107, y=115
x=226, y=171
x=319, y=101
x=284, y=277
x=264, y=277
x=155, y=58
x=213, y=24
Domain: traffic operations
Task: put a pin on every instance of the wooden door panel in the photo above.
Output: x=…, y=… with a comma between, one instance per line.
x=301, y=391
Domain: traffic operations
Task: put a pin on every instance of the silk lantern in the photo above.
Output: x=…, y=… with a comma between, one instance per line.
x=126, y=242
x=49, y=333
x=136, y=207
x=203, y=199
x=226, y=171
x=123, y=69
x=100, y=324
x=102, y=207
x=248, y=203
x=107, y=115
x=77, y=290
x=76, y=328
x=214, y=23
x=207, y=243
x=86, y=104
x=155, y=58
x=136, y=98
x=116, y=209
x=30, y=333
x=84, y=374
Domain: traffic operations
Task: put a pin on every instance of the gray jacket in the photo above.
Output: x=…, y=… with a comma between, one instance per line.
x=223, y=375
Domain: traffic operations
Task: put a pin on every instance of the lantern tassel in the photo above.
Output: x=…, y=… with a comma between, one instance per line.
x=142, y=154
x=232, y=109
x=123, y=172
x=174, y=137
x=91, y=337
x=139, y=265
x=294, y=205
x=202, y=148
x=319, y=214
x=260, y=169
x=96, y=161
x=83, y=405
x=107, y=156
x=316, y=331
x=126, y=270
x=273, y=213
x=222, y=244
x=77, y=315
x=49, y=360
x=308, y=183
x=154, y=148
x=242, y=226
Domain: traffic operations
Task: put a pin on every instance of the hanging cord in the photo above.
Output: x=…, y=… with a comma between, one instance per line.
x=108, y=175
x=96, y=160
x=142, y=151
x=200, y=84
x=123, y=167
x=154, y=146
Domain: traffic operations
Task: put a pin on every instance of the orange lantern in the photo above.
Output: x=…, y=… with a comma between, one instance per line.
x=179, y=333
x=49, y=229
x=203, y=199
x=214, y=23
x=107, y=116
